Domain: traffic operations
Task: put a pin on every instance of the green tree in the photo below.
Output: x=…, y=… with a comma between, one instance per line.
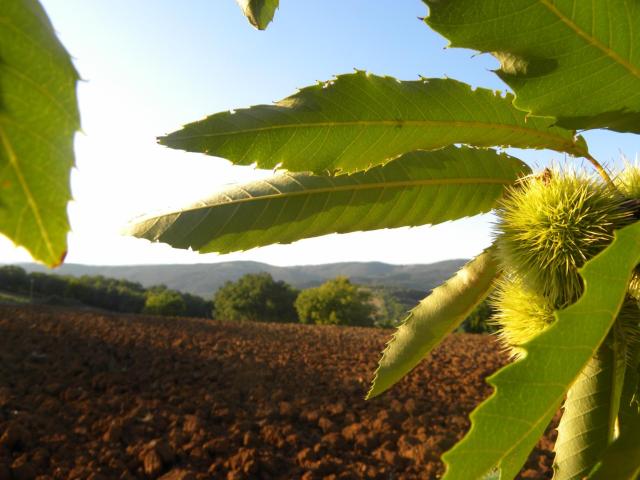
x=197, y=306
x=14, y=279
x=336, y=302
x=101, y=292
x=256, y=297
x=165, y=302
x=479, y=320
x=391, y=305
x=49, y=285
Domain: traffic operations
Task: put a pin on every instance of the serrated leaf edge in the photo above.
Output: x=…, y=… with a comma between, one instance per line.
x=575, y=146
x=410, y=316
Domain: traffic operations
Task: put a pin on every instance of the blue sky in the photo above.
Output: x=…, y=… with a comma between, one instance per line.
x=149, y=66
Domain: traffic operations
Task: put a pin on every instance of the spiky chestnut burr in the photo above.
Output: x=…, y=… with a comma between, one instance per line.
x=550, y=225
x=521, y=313
x=628, y=181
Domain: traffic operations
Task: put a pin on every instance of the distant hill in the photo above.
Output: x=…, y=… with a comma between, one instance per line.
x=205, y=279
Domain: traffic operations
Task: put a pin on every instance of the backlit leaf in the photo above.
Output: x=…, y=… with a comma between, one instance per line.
x=38, y=120
x=418, y=188
x=621, y=460
x=581, y=438
x=433, y=319
x=357, y=121
x=576, y=61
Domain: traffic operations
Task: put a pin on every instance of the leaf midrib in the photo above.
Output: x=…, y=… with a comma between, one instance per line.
x=591, y=40
x=15, y=165
x=342, y=188
x=373, y=123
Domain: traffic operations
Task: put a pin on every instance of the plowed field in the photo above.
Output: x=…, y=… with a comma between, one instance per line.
x=86, y=395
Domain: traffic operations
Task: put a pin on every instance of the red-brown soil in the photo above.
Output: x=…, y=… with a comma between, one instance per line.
x=96, y=396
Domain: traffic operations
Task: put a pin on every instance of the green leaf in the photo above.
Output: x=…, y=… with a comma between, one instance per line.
x=433, y=319
x=621, y=460
x=574, y=61
x=358, y=121
x=259, y=12
x=528, y=392
x=38, y=120
x=581, y=437
x=629, y=407
x=416, y=189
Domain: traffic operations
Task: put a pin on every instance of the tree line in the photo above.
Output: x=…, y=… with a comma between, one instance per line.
x=101, y=292
x=253, y=297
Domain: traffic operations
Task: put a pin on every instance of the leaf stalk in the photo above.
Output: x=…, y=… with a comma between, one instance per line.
x=600, y=169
